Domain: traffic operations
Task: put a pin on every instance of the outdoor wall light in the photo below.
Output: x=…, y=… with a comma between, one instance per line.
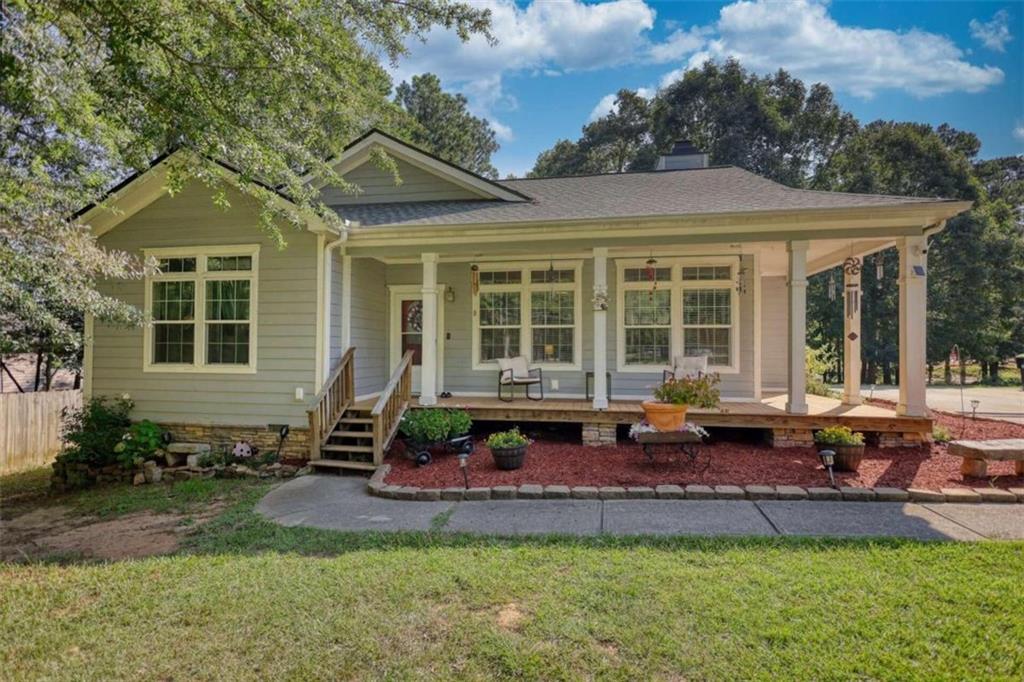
x=449, y=294
x=828, y=460
x=464, y=465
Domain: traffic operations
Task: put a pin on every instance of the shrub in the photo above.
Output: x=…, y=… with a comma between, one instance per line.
x=94, y=431
x=816, y=365
x=142, y=440
x=507, y=439
x=940, y=434
x=838, y=435
x=432, y=425
x=693, y=391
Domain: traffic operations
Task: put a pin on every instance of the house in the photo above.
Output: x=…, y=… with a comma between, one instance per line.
x=600, y=280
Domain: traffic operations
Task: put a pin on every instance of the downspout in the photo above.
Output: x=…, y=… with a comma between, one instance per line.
x=328, y=286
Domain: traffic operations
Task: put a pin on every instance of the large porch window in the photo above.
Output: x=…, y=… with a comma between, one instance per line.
x=528, y=309
x=678, y=308
x=202, y=303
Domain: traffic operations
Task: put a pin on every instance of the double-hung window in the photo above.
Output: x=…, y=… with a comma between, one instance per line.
x=202, y=305
x=679, y=307
x=647, y=316
x=528, y=309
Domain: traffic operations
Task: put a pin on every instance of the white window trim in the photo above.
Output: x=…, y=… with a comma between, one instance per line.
x=525, y=321
x=200, y=277
x=676, y=286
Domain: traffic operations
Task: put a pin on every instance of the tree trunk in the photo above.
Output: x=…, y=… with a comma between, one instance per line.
x=887, y=373
x=48, y=376
x=39, y=364
x=947, y=372
x=993, y=371
x=78, y=381
x=931, y=371
x=963, y=372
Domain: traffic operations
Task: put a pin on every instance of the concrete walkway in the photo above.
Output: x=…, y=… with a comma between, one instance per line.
x=994, y=402
x=341, y=503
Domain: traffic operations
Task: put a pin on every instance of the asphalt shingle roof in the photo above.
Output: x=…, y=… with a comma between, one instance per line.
x=724, y=189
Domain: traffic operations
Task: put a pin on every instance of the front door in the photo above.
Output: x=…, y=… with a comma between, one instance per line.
x=407, y=331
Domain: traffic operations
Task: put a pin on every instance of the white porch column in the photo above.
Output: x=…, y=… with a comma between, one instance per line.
x=852, y=301
x=346, y=301
x=428, y=366
x=796, y=284
x=600, y=328
x=913, y=326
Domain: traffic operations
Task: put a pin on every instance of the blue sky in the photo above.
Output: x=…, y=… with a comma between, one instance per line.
x=557, y=62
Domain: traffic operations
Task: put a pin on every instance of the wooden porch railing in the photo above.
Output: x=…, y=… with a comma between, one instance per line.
x=392, y=404
x=330, y=403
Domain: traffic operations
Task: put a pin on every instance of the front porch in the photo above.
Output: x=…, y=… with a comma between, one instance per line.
x=784, y=428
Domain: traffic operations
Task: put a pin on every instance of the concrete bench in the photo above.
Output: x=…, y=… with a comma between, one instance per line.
x=978, y=453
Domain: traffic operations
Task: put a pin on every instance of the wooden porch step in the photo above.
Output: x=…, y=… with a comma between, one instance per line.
x=355, y=420
x=351, y=434
x=342, y=464
x=330, y=447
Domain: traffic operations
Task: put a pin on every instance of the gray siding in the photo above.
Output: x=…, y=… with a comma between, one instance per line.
x=369, y=325
x=739, y=385
x=286, y=305
x=460, y=377
x=379, y=186
x=336, y=286
x=774, y=339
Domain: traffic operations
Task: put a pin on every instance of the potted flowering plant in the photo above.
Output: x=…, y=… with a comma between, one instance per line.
x=667, y=412
x=848, y=446
x=508, y=448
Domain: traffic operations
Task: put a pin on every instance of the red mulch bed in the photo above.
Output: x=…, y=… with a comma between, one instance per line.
x=550, y=462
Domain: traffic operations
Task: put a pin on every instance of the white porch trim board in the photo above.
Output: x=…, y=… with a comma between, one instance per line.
x=428, y=377
x=796, y=288
x=913, y=281
x=853, y=301
x=758, y=376
x=346, y=301
x=600, y=329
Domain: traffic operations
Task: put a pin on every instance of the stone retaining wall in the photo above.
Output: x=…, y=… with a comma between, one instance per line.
x=223, y=438
x=378, y=486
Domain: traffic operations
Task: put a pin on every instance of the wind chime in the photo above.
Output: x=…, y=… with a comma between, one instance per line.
x=879, y=270
x=741, y=279
x=652, y=276
x=852, y=266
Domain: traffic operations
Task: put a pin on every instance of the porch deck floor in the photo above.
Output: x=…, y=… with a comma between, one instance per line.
x=767, y=413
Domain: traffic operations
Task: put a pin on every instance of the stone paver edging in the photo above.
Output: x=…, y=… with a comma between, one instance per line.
x=533, y=491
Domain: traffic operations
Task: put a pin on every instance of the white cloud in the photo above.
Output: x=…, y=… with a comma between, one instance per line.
x=546, y=38
x=1018, y=131
x=679, y=44
x=549, y=39
x=607, y=103
x=802, y=38
x=994, y=33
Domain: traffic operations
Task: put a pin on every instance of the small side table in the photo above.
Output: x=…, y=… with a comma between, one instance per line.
x=589, y=381
x=688, y=444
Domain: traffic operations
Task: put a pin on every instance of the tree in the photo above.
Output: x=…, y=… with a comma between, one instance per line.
x=618, y=141
x=770, y=125
x=444, y=125
x=96, y=90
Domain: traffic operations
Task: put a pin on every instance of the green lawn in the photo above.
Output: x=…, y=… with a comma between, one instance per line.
x=248, y=599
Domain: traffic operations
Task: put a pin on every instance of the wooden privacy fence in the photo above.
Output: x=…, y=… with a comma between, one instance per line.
x=30, y=427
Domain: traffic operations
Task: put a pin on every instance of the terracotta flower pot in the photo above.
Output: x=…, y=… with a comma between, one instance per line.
x=508, y=459
x=848, y=457
x=664, y=416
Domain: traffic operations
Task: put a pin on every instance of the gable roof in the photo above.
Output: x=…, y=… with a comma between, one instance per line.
x=143, y=187
x=647, y=194
x=358, y=152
